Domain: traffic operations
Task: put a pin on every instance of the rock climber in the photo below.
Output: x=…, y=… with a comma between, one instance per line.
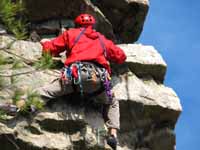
x=87, y=68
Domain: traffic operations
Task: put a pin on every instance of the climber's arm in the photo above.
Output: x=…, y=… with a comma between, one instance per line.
x=55, y=46
x=114, y=53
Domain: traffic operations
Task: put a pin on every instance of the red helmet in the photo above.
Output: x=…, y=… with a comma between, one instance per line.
x=85, y=19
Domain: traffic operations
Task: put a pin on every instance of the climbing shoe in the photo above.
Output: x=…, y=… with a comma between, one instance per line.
x=112, y=142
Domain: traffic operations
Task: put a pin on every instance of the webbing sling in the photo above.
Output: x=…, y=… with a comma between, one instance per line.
x=78, y=37
x=101, y=42
x=103, y=46
x=80, y=82
x=106, y=81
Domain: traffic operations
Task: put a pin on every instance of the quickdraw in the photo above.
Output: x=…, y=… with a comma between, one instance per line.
x=72, y=75
x=107, y=86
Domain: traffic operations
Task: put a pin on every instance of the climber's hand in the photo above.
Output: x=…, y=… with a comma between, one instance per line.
x=44, y=40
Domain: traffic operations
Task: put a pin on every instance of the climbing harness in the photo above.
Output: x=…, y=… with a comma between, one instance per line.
x=73, y=75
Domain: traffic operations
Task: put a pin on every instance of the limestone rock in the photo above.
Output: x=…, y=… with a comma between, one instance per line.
x=2, y=30
x=63, y=128
x=62, y=13
x=6, y=41
x=29, y=50
x=126, y=16
x=124, y=28
x=25, y=50
x=143, y=60
x=130, y=88
x=148, y=109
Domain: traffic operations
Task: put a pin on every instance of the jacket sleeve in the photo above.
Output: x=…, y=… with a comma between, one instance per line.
x=114, y=53
x=56, y=45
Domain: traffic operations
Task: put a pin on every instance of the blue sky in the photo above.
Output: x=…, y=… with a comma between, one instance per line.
x=173, y=28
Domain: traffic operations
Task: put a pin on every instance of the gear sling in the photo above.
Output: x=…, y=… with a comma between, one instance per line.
x=93, y=71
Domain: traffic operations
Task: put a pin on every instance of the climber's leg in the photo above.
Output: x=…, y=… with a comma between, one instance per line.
x=55, y=89
x=113, y=122
x=49, y=91
x=110, y=111
x=93, y=84
x=112, y=114
x=111, y=117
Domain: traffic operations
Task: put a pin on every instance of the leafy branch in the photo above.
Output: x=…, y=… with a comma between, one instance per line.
x=33, y=99
x=11, y=14
x=3, y=115
x=46, y=62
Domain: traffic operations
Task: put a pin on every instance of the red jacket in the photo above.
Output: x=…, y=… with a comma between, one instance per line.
x=88, y=47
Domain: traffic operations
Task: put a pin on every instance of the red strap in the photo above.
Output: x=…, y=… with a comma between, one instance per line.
x=75, y=72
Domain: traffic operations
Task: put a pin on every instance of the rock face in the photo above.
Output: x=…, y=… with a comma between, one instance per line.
x=121, y=20
x=2, y=30
x=126, y=16
x=149, y=110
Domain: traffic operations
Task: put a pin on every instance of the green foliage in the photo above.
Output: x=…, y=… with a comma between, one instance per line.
x=10, y=15
x=13, y=79
x=46, y=62
x=2, y=83
x=3, y=60
x=17, y=64
x=33, y=99
x=19, y=30
x=3, y=115
x=17, y=96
